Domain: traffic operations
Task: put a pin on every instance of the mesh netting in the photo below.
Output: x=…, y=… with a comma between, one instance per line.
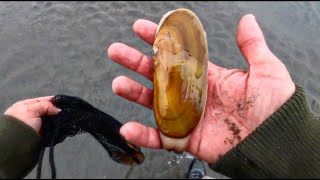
x=78, y=116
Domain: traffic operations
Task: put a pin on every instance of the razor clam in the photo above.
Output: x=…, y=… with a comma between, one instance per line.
x=180, y=77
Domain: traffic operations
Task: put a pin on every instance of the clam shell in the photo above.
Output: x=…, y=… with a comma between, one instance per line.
x=180, y=76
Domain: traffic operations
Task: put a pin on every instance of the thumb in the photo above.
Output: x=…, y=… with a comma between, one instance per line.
x=141, y=135
x=43, y=108
x=251, y=42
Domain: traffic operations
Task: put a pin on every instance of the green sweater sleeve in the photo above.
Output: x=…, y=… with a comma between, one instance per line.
x=19, y=148
x=286, y=145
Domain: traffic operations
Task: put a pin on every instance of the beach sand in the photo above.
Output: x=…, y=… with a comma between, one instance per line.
x=50, y=48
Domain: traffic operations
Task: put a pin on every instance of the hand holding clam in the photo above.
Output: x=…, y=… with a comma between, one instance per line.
x=225, y=105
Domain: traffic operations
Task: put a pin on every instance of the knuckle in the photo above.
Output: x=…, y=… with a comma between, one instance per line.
x=252, y=42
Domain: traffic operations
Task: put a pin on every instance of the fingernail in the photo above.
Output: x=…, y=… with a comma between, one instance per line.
x=252, y=16
x=122, y=131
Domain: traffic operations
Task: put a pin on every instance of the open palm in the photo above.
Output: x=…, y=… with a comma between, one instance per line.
x=238, y=100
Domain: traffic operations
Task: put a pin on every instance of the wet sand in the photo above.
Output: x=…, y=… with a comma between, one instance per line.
x=59, y=47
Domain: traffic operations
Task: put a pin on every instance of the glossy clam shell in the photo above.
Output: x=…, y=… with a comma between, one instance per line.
x=180, y=73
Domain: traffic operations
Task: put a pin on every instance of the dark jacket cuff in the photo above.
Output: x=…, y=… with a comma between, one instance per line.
x=284, y=146
x=19, y=147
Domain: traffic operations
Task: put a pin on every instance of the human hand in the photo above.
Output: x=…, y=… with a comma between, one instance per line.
x=30, y=111
x=238, y=100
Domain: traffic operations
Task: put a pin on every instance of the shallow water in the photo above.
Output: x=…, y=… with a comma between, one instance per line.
x=59, y=47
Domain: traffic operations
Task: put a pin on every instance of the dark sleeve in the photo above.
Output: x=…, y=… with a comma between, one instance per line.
x=286, y=145
x=19, y=148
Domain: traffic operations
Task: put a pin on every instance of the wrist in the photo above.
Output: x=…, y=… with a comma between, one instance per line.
x=34, y=123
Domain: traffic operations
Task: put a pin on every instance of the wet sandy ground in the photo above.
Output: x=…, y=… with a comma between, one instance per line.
x=48, y=48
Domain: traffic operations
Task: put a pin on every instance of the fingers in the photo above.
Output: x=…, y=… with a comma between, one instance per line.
x=145, y=29
x=131, y=59
x=251, y=41
x=141, y=135
x=30, y=111
x=43, y=108
x=133, y=91
x=38, y=99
